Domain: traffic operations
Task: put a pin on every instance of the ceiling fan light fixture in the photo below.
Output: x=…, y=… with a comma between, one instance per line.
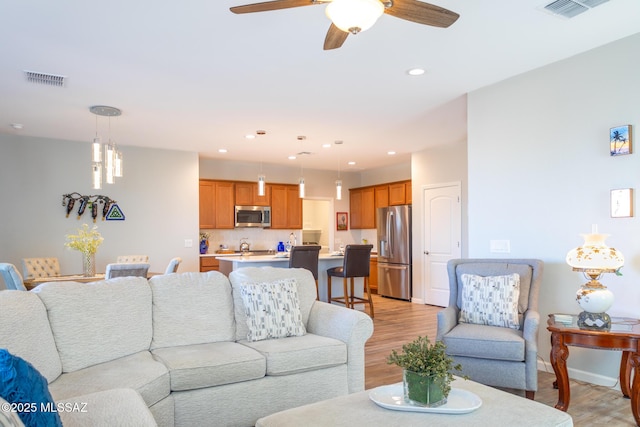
x=353, y=16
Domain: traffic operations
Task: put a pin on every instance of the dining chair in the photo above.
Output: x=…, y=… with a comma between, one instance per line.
x=173, y=265
x=126, y=269
x=355, y=264
x=132, y=259
x=306, y=256
x=32, y=268
x=12, y=277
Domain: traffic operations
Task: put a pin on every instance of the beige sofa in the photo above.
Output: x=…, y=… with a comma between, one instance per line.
x=180, y=341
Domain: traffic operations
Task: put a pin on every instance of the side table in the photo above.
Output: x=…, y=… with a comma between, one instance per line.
x=624, y=336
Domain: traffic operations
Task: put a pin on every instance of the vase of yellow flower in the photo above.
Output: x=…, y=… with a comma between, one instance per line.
x=86, y=241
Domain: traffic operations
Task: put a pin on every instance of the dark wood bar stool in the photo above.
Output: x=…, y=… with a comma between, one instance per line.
x=356, y=264
x=306, y=256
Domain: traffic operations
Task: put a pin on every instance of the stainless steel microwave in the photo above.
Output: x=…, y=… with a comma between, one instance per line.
x=253, y=216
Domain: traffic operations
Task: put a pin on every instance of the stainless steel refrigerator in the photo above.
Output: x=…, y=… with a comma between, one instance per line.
x=394, y=251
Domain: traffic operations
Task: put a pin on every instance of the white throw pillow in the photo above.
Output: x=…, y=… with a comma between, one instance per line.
x=272, y=309
x=490, y=300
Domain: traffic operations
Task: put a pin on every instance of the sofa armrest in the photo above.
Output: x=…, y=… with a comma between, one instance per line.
x=530, y=334
x=114, y=407
x=352, y=327
x=447, y=319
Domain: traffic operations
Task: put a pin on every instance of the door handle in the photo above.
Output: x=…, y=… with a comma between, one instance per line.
x=426, y=252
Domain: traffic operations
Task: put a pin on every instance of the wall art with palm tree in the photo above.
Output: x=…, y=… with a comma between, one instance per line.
x=620, y=140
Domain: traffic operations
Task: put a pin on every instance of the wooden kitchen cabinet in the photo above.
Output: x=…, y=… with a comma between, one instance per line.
x=209, y=263
x=286, y=207
x=207, y=199
x=400, y=193
x=247, y=194
x=373, y=275
x=362, y=208
x=381, y=196
x=217, y=207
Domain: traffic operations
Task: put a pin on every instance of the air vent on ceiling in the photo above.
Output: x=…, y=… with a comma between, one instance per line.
x=44, y=78
x=305, y=153
x=571, y=8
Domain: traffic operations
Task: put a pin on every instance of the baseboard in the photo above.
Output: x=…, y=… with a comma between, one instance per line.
x=584, y=376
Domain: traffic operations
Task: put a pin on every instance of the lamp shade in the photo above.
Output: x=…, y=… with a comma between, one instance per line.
x=353, y=16
x=595, y=255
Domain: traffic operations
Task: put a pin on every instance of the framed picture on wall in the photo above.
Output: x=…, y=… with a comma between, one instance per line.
x=622, y=203
x=620, y=140
x=342, y=221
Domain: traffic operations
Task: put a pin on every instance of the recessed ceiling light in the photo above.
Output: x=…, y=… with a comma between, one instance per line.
x=326, y=145
x=250, y=136
x=415, y=71
x=222, y=150
x=351, y=163
x=17, y=126
x=261, y=132
x=391, y=153
x=291, y=157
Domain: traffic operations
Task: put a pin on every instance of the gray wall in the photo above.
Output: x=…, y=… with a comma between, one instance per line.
x=540, y=174
x=158, y=195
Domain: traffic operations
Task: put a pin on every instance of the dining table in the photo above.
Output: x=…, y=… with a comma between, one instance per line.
x=33, y=282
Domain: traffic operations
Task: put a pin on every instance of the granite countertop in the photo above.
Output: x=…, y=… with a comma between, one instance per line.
x=267, y=257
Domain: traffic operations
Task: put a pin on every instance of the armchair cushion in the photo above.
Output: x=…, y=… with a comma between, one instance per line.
x=485, y=342
x=496, y=269
x=490, y=300
x=272, y=309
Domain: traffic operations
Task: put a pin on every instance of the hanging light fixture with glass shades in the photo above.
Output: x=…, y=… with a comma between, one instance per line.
x=339, y=181
x=261, y=184
x=111, y=161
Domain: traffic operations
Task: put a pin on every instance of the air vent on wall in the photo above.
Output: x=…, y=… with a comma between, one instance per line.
x=44, y=78
x=571, y=8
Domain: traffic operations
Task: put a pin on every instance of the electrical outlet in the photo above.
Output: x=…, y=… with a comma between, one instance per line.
x=188, y=243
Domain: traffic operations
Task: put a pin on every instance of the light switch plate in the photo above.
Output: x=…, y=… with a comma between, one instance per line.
x=188, y=243
x=500, y=246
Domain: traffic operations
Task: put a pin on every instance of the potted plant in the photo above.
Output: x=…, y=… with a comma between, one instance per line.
x=427, y=371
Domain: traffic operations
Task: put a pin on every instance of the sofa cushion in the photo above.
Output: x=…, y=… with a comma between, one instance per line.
x=25, y=332
x=498, y=269
x=490, y=300
x=96, y=322
x=304, y=279
x=485, y=342
x=210, y=365
x=115, y=407
x=21, y=383
x=298, y=354
x=139, y=371
x=191, y=308
x=272, y=309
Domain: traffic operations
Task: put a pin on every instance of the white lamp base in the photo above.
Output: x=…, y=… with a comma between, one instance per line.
x=595, y=299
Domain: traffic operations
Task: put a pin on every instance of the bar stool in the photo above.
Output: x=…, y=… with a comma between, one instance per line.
x=306, y=257
x=356, y=264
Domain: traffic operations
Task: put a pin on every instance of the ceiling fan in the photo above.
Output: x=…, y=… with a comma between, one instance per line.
x=352, y=16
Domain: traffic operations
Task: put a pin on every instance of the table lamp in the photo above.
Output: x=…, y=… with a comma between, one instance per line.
x=593, y=259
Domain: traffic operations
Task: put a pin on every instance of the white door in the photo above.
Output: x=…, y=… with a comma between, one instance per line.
x=442, y=233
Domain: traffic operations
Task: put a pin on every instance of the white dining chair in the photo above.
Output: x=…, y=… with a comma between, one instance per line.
x=173, y=265
x=132, y=259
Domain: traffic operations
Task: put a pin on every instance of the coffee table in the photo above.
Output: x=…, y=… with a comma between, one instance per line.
x=498, y=408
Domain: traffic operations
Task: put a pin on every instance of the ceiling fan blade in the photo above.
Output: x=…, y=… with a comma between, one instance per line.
x=335, y=38
x=422, y=13
x=272, y=5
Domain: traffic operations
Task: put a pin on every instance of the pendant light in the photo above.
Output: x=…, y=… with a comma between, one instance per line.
x=339, y=181
x=261, y=182
x=112, y=160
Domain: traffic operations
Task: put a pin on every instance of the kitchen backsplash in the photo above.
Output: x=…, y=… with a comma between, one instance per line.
x=258, y=238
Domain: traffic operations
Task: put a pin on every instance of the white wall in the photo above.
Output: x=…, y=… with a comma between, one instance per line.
x=540, y=174
x=158, y=195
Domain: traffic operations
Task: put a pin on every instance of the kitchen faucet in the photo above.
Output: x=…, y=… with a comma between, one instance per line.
x=244, y=245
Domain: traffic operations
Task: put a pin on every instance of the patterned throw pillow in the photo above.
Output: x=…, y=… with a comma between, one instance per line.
x=490, y=300
x=272, y=309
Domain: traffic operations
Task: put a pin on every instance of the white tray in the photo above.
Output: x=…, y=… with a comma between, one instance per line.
x=392, y=397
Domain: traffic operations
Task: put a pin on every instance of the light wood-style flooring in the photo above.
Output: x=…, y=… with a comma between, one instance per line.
x=397, y=322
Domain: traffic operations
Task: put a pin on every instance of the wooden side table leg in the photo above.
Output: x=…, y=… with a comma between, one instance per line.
x=625, y=374
x=559, y=355
x=635, y=389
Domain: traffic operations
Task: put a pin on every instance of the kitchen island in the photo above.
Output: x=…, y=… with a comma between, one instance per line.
x=229, y=263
